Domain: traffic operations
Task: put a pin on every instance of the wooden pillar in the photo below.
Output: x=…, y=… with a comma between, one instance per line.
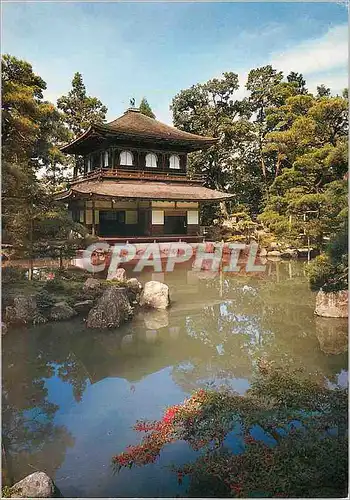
x=93, y=229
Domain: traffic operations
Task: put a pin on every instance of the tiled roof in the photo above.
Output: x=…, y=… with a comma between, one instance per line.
x=133, y=124
x=144, y=191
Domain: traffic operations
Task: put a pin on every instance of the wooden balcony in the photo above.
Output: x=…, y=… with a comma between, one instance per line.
x=133, y=173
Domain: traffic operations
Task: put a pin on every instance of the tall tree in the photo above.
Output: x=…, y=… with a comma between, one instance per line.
x=145, y=108
x=310, y=194
x=323, y=91
x=32, y=131
x=297, y=79
x=267, y=90
x=79, y=109
x=22, y=108
x=211, y=109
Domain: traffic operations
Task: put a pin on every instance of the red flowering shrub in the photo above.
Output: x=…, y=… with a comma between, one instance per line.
x=158, y=433
x=304, y=461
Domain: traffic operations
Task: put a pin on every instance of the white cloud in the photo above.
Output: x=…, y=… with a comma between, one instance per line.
x=314, y=56
x=336, y=81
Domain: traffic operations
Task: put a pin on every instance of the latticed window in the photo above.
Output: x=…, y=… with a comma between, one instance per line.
x=174, y=162
x=126, y=158
x=151, y=160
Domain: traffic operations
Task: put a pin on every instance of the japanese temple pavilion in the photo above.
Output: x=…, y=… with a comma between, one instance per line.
x=134, y=183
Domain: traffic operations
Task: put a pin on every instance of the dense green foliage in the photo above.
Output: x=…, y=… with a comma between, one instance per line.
x=329, y=271
x=80, y=110
x=145, y=108
x=286, y=437
x=33, y=130
x=281, y=151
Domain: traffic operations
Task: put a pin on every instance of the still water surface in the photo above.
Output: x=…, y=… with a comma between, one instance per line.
x=71, y=396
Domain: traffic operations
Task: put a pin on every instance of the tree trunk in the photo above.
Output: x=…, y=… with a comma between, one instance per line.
x=223, y=209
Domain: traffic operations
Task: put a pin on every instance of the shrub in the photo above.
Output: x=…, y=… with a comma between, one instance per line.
x=329, y=271
x=55, y=285
x=44, y=301
x=300, y=451
x=319, y=271
x=12, y=274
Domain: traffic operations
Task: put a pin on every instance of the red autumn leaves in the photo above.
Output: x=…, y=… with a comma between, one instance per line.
x=159, y=433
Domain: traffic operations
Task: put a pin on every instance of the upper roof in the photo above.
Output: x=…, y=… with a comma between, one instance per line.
x=133, y=124
x=143, y=190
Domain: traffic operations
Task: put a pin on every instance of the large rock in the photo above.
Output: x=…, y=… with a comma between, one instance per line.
x=61, y=311
x=332, y=335
x=36, y=485
x=332, y=304
x=92, y=289
x=111, y=310
x=155, y=295
x=23, y=311
x=91, y=284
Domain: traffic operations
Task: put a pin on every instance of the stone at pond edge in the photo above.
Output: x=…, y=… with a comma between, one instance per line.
x=111, y=310
x=36, y=485
x=84, y=306
x=332, y=304
x=91, y=284
x=155, y=295
x=23, y=311
x=61, y=311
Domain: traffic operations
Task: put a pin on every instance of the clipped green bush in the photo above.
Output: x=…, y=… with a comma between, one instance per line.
x=44, y=301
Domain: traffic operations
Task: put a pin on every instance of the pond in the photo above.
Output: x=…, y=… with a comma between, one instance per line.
x=71, y=396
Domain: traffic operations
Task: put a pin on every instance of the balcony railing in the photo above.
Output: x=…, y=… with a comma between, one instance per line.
x=154, y=174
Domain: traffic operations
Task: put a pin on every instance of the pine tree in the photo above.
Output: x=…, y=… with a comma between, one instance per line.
x=323, y=91
x=146, y=109
x=32, y=131
x=79, y=109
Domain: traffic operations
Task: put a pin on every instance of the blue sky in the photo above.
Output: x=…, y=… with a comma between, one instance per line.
x=155, y=50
